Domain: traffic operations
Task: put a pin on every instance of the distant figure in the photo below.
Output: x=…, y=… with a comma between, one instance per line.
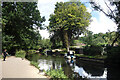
x=4, y=54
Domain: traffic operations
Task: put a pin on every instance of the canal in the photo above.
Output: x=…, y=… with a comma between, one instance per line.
x=76, y=68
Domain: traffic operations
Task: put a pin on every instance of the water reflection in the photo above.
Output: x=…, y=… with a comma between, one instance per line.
x=89, y=72
x=84, y=74
x=48, y=64
x=93, y=71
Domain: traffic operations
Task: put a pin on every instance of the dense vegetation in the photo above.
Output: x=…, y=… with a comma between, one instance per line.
x=21, y=23
x=69, y=20
x=20, y=53
x=99, y=39
x=58, y=73
x=35, y=64
x=95, y=44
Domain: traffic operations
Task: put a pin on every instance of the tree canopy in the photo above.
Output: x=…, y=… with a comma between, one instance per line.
x=69, y=20
x=20, y=22
x=98, y=39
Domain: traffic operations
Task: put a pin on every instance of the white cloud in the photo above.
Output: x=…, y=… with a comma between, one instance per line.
x=46, y=7
x=102, y=25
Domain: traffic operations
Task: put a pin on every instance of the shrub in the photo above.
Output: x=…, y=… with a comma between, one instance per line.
x=35, y=64
x=93, y=50
x=113, y=54
x=56, y=73
x=112, y=62
x=20, y=53
x=31, y=51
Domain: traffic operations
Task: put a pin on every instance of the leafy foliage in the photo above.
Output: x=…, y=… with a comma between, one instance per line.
x=56, y=73
x=31, y=51
x=45, y=43
x=68, y=22
x=20, y=53
x=99, y=39
x=35, y=64
x=113, y=53
x=93, y=50
x=21, y=21
x=33, y=57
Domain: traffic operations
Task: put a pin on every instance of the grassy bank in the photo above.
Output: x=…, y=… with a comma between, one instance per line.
x=86, y=56
x=96, y=57
x=52, y=73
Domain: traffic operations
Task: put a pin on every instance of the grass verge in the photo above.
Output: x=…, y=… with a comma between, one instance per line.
x=96, y=57
x=35, y=64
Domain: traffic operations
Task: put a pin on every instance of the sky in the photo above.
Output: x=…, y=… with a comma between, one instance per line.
x=100, y=22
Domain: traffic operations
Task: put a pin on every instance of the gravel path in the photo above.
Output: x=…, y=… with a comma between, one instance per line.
x=17, y=68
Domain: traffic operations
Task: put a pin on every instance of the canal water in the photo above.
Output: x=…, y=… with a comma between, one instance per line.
x=76, y=68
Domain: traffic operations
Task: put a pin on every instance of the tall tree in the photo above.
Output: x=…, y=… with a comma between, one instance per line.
x=70, y=19
x=21, y=21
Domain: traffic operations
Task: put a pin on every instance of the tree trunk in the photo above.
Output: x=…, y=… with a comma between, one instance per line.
x=115, y=40
x=65, y=40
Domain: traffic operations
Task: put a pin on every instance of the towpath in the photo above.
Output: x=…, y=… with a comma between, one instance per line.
x=17, y=68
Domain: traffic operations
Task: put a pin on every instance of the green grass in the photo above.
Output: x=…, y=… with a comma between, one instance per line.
x=35, y=64
x=96, y=57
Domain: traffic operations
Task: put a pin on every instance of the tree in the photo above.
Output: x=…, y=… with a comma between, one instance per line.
x=21, y=21
x=98, y=39
x=55, y=39
x=44, y=43
x=112, y=14
x=70, y=19
x=89, y=37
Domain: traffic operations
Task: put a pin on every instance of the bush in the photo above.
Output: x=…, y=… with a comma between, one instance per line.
x=112, y=62
x=20, y=53
x=56, y=73
x=35, y=64
x=113, y=54
x=93, y=50
x=31, y=51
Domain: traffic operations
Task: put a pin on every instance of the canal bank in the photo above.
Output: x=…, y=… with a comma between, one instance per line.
x=72, y=68
x=97, y=58
x=77, y=52
x=91, y=59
